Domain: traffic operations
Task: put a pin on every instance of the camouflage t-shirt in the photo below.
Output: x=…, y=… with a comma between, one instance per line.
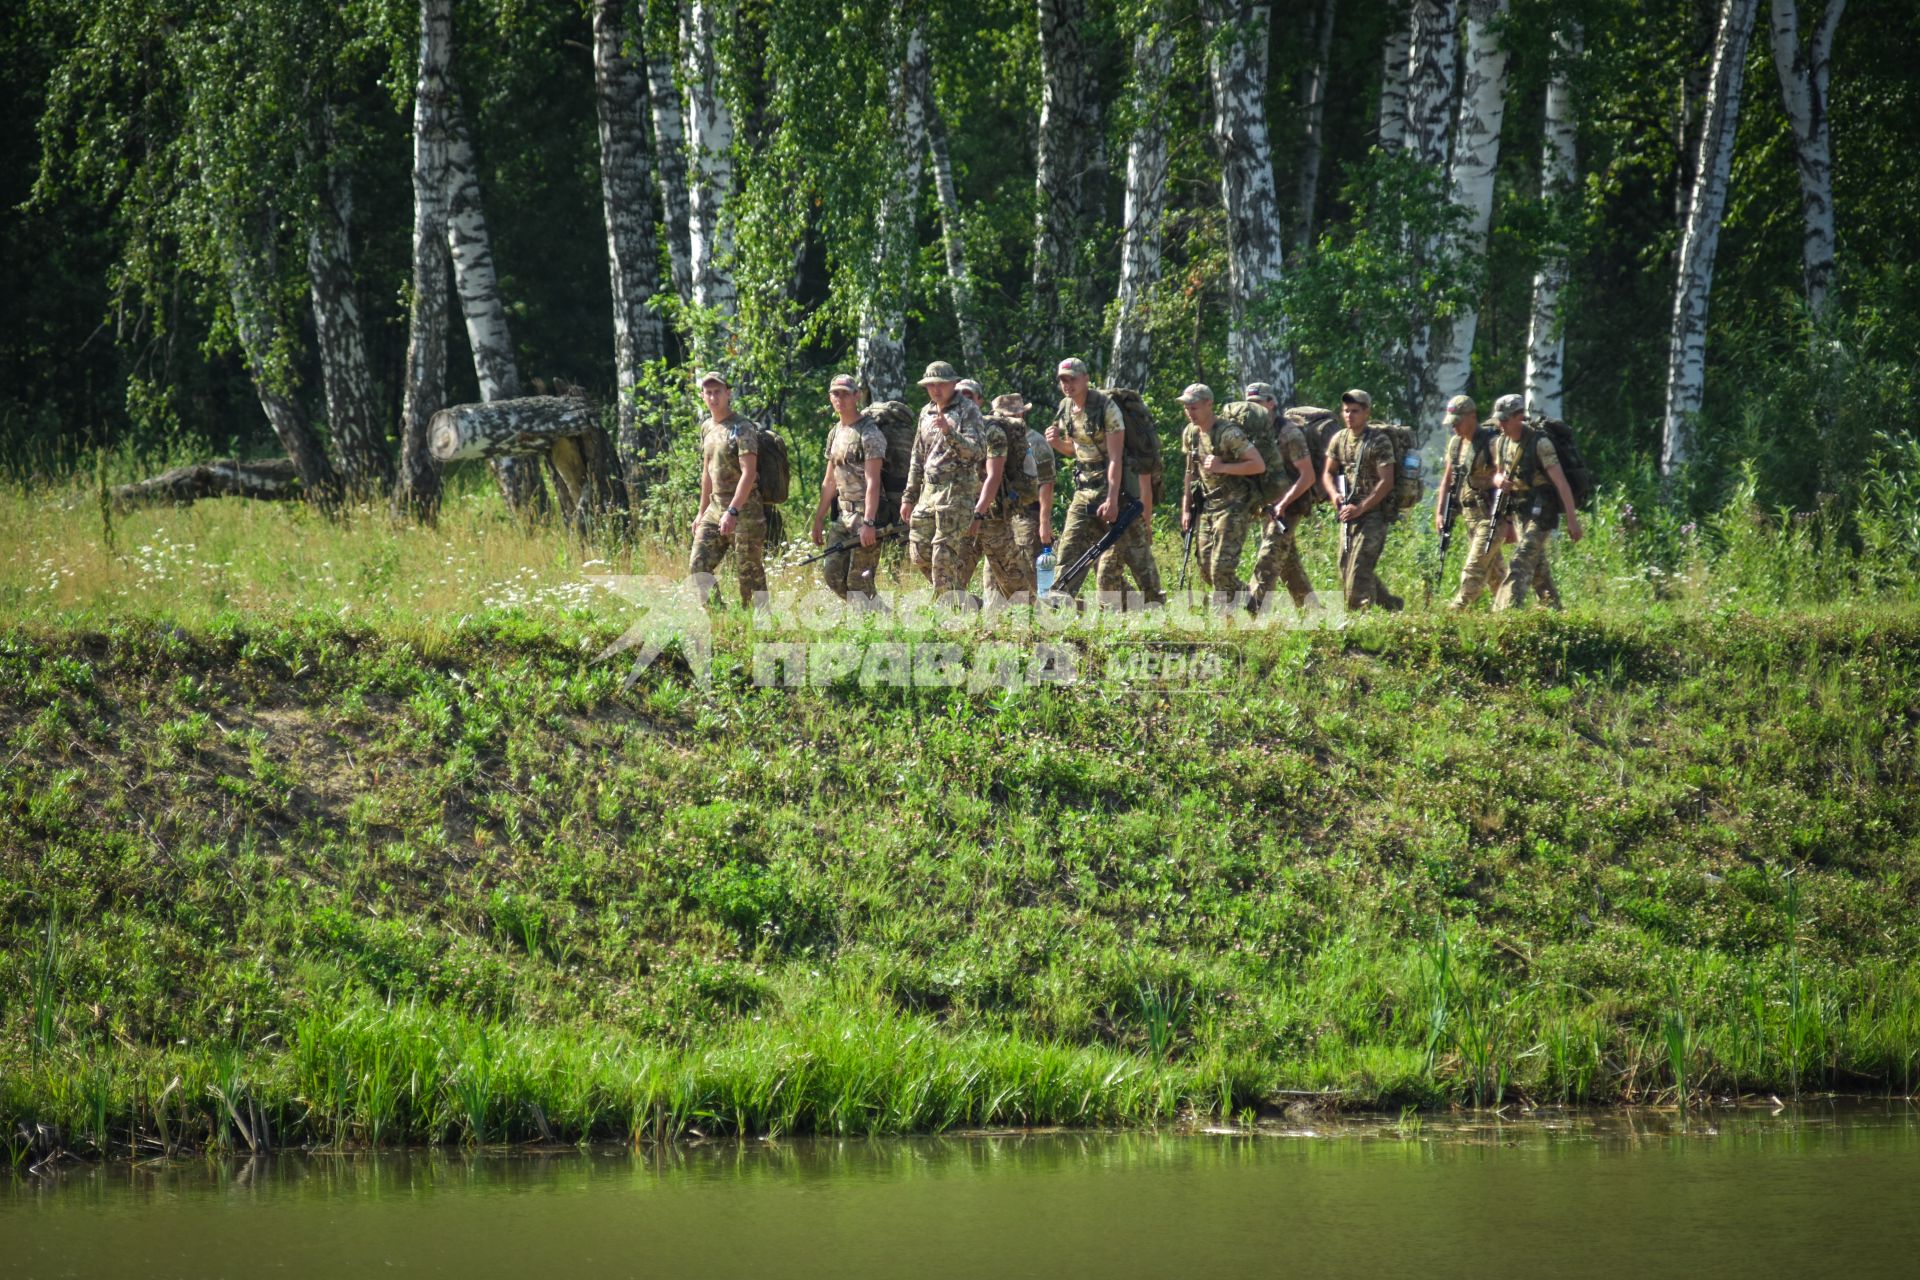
x=1227, y=442
x=722, y=445
x=1359, y=458
x=1294, y=450
x=1089, y=440
x=848, y=450
x=1510, y=456
x=1040, y=458
x=1473, y=464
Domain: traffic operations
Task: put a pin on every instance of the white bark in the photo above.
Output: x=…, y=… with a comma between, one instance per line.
x=1687, y=343
x=1476, y=155
x=1431, y=89
x=417, y=488
x=882, y=343
x=1067, y=153
x=1393, y=87
x=519, y=427
x=1146, y=201
x=353, y=416
x=669, y=141
x=1313, y=103
x=1546, y=330
x=626, y=199
x=1803, y=72
x=709, y=161
x=952, y=234
x=1238, y=36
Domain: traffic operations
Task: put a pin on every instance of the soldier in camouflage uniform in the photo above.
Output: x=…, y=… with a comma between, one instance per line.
x=1033, y=521
x=1278, y=559
x=1010, y=573
x=1469, y=475
x=1089, y=429
x=850, y=493
x=946, y=485
x=1365, y=459
x=731, y=517
x=1527, y=471
x=1222, y=461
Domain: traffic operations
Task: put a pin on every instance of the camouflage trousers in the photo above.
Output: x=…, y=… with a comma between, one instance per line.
x=1279, y=561
x=849, y=566
x=1026, y=531
x=1009, y=569
x=1133, y=551
x=1217, y=545
x=1361, y=543
x=748, y=540
x=1484, y=567
x=1529, y=568
x=955, y=549
x=920, y=542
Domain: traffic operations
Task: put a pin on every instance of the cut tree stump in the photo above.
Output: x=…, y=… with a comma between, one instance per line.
x=565, y=429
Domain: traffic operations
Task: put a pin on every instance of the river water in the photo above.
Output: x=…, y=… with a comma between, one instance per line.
x=1815, y=1192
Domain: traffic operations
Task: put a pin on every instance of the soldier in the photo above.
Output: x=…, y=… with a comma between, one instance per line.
x=958, y=441
x=1222, y=461
x=1278, y=559
x=1527, y=471
x=1089, y=429
x=856, y=453
x=1469, y=477
x=729, y=471
x=971, y=390
x=1365, y=460
x=1001, y=496
x=1033, y=521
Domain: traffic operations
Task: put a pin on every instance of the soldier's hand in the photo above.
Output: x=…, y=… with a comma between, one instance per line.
x=819, y=535
x=1186, y=521
x=1211, y=464
x=1574, y=531
x=943, y=422
x=1110, y=511
x=867, y=536
x=1277, y=511
x=1349, y=512
x=906, y=513
x=728, y=523
x=1439, y=525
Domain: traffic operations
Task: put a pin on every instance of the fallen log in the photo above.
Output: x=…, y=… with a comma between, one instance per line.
x=565, y=429
x=271, y=479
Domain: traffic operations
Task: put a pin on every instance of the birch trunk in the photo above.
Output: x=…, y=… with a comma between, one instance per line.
x=564, y=429
x=1393, y=87
x=271, y=479
x=353, y=416
x=1476, y=155
x=669, y=139
x=882, y=344
x=1146, y=201
x=1803, y=73
x=1313, y=103
x=1431, y=88
x=1687, y=344
x=709, y=162
x=488, y=334
x=417, y=488
x=952, y=234
x=1546, y=329
x=1237, y=42
x=1069, y=128
x=626, y=197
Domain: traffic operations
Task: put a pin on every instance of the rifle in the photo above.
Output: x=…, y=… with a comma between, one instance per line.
x=1196, y=503
x=884, y=535
x=1449, y=512
x=1493, y=519
x=1069, y=579
x=1343, y=490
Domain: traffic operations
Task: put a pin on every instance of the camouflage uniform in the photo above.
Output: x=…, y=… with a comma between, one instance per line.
x=1473, y=480
x=1534, y=507
x=1134, y=549
x=722, y=446
x=1359, y=458
x=920, y=529
x=1010, y=573
x=1026, y=520
x=950, y=478
x=850, y=566
x=1226, y=507
x=1279, y=556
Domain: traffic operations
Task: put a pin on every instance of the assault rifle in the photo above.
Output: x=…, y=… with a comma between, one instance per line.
x=1496, y=508
x=891, y=531
x=1068, y=582
x=1196, y=503
x=1343, y=491
x=1449, y=513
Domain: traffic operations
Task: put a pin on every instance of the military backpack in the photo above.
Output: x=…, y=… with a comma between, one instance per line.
x=1256, y=423
x=1408, y=486
x=1143, y=438
x=775, y=476
x=1572, y=465
x=1319, y=426
x=899, y=425
x=1021, y=479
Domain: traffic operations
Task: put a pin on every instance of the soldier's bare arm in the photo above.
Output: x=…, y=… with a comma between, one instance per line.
x=1559, y=478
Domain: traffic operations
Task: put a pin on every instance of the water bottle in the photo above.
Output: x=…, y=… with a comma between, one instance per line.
x=1043, y=567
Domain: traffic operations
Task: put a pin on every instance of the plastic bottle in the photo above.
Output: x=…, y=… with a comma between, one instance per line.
x=1044, y=565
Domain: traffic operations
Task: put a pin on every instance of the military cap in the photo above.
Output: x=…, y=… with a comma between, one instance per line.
x=1072, y=365
x=939, y=371
x=843, y=382
x=1357, y=396
x=1508, y=405
x=713, y=375
x=968, y=384
x=1261, y=391
x=1196, y=393
x=1013, y=405
x=1459, y=407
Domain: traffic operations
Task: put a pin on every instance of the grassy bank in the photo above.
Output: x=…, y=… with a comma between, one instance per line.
x=369, y=886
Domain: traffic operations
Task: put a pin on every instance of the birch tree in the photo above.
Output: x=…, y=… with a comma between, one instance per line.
x=1546, y=327
x=663, y=20
x=1803, y=70
x=1313, y=106
x=1068, y=139
x=1146, y=202
x=1431, y=90
x=953, y=233
x=417, y=487
x=1393, y=86
x=709, y=161
x=626, y=199
x=477, y=283
x=882, y=341
x=353, y=417
x=1238, y=37
x=1687, y=342
x=1476, y=155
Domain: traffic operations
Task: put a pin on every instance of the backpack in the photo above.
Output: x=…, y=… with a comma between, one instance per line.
x=1257, y=424
x=1143, y=438
x=1408, y=485
x=1572, y=465
x=1319, y=426
x=775, y=477
x=899, y=425
x=1020, y=480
